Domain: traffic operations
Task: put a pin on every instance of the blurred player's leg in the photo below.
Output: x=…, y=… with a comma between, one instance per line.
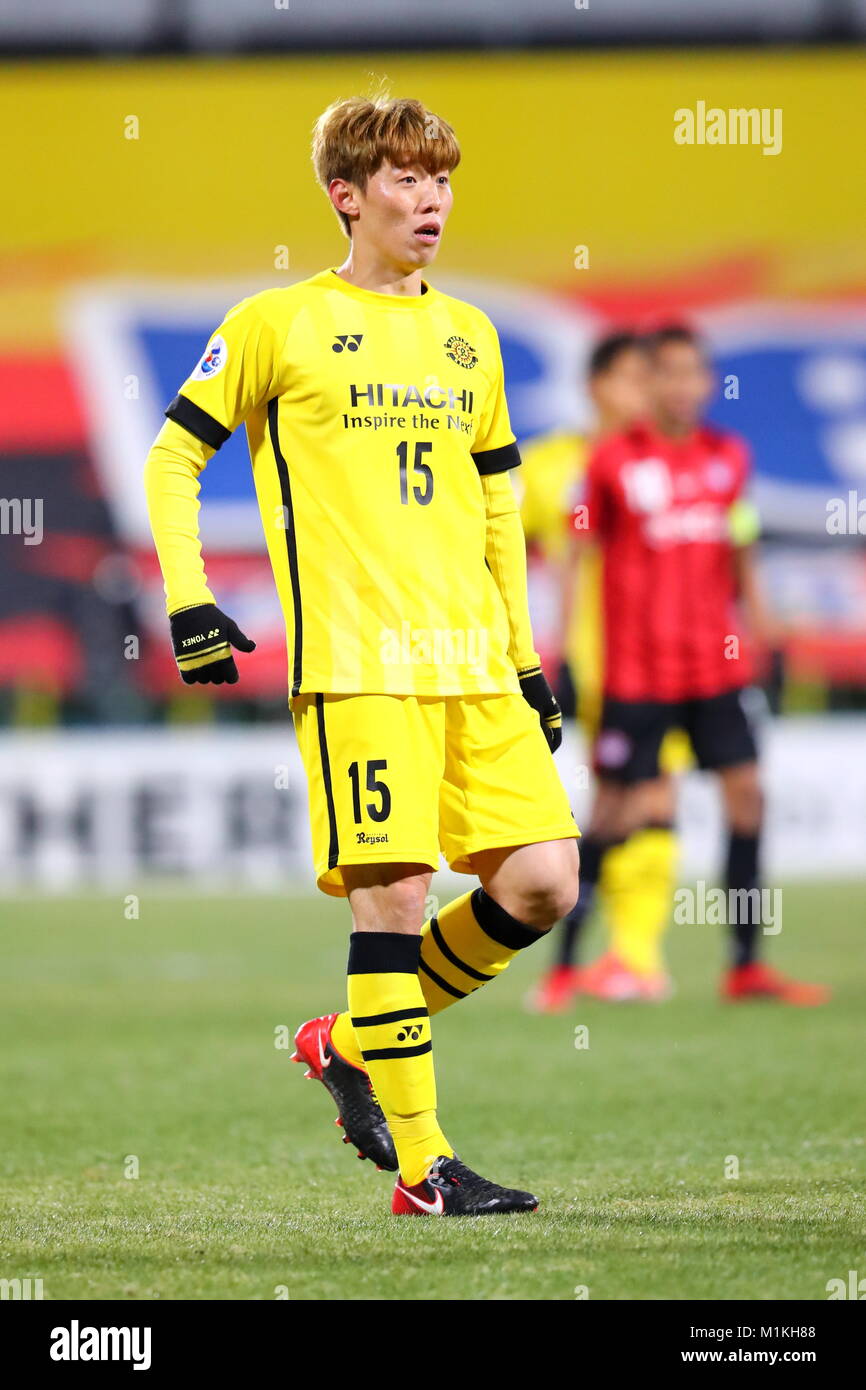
x=748, y=977
x=636, y=889
x=723, y=741
x=637, y=886
x=629, y=796
x=608, y=827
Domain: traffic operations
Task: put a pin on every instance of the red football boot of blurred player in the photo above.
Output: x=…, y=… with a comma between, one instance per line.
x=556, y=991
x=759, y=981
x=610, y=979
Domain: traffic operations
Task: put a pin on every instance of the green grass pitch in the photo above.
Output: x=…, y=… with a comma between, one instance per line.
x=153, y=1041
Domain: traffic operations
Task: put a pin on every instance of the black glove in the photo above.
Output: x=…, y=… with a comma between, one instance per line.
x=203, y=638
x=538, y=694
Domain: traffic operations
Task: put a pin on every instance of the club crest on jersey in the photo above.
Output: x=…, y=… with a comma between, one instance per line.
x=213, y=361
x=719, y=474
x=461, y=352
x=647, y=484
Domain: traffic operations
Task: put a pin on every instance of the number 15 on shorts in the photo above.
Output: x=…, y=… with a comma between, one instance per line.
x=366, y=781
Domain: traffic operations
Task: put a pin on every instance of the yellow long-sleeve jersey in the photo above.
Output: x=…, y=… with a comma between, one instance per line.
x=380, y=443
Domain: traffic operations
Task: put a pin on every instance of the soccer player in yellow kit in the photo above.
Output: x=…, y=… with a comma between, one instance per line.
x=381, y=448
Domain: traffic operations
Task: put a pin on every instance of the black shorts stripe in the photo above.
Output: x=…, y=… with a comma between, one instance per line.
x=384, y=1054
x=497, y=460
x=197, y=421
x=443, y=984
x=291, y=543
x=436, y=933
x=395, y=1016
x=333, y=838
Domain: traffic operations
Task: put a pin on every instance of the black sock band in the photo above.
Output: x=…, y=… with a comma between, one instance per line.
x=499, y=925
x=742, y=873
x=572, y=925
x=383, y=953
x=592, y=851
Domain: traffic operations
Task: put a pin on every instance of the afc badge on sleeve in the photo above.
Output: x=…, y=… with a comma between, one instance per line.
x=213, y=361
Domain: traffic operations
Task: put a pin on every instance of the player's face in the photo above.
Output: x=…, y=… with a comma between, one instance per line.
x=403, y=214
x=621, y=392
x=681, y=384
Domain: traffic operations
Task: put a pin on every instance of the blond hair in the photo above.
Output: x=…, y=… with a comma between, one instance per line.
x=353, y=138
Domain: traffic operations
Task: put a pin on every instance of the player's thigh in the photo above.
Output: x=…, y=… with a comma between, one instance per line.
x=659, y=800
x=742, y=796
x=501, y=786
x=374, y=764
x=612, y=810
x=720, y=731
x=629, y=740
x=387, y=897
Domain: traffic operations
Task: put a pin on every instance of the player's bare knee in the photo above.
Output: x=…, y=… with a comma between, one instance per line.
x=394, y=905
x=744, y=799
x=547, y=904
x=748, y=814
x=551, y=892
x=405, y=904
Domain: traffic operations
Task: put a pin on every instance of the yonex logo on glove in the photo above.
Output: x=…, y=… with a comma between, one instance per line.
x=203, y=638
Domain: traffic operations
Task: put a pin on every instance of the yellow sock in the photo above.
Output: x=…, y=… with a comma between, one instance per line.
x=637, y=885
x=344, y=1040
x=471, y=941
x=392, y=1025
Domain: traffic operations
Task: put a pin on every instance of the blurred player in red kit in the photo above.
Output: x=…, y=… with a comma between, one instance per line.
x=666, y=504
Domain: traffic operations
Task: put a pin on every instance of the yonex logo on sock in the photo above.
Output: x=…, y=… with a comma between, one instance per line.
x=409, y=1033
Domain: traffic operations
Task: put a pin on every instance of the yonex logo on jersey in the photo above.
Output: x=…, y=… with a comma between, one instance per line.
x=350, y=341
x=461, y=352
x=213, y=361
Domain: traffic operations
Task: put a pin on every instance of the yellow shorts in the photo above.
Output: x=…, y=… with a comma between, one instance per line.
x=395, y=778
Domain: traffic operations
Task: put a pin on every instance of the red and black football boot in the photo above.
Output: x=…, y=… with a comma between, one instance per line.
x=452, y=1189
x=358, y=1111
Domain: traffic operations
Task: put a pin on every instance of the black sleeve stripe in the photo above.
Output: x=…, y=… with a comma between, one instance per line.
x=185, y=412
x=497, y=460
